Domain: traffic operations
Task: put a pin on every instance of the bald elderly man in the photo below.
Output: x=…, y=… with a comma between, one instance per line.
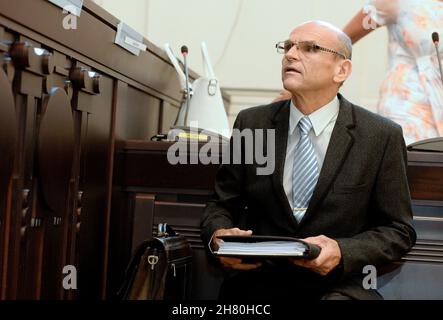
x=339, y=182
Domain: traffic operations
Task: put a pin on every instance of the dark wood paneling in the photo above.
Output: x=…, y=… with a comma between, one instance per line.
x=8, y=129
x=120, y=242
x=425, y=175
x=418, y=274
x=134, y=173
x=56, y=158
x=169, y=115
x=56, y=151
x=8, y=138
x=161, y=193
x=59, y=136
x=24, y=215
x=180, y=202
x=426, y=182
x=138, y=119
x=149, y=69
x=93, y=182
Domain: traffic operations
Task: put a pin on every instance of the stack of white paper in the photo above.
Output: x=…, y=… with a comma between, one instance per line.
x=265, y=248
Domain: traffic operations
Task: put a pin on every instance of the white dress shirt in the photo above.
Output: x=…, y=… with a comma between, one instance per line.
x=323, y=122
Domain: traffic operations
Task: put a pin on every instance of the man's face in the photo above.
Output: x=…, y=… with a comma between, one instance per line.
x=310, y=71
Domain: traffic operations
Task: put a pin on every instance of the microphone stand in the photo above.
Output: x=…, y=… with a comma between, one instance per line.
x=188, y=93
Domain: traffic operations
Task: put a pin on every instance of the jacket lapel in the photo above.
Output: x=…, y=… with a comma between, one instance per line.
x=281, y=126
x=338, y=149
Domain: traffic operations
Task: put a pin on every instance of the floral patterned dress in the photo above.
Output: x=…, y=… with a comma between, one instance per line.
x=412, y=92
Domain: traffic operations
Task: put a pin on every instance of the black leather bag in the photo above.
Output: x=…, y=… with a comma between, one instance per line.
x=161, y=269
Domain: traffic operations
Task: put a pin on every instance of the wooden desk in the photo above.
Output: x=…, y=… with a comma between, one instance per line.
x=66, y=98
x=420, y=273
x=61, y=113
x=148, y=191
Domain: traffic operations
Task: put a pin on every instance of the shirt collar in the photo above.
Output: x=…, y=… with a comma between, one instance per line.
x=319, y=119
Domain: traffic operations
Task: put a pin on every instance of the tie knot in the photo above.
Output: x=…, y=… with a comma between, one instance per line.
x=305, y=125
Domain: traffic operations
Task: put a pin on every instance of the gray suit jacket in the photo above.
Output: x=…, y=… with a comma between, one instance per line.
x=361, y=199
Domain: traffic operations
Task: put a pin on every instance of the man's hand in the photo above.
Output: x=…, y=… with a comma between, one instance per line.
x=233, y=263
x=328, y=259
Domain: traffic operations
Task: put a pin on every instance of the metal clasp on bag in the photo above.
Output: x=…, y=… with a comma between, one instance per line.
x=185, y=93
x=161, y=232
x=212, y=87
x=152, y=260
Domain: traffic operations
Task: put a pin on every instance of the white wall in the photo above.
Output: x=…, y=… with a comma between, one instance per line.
x=241, y=34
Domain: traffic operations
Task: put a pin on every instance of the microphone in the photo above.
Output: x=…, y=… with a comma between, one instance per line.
x=184, y=50
x=436, y=40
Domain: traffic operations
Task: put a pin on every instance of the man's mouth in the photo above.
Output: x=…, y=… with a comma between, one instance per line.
x=291, y=70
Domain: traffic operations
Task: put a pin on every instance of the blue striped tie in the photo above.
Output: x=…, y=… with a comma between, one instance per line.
x=305, y=172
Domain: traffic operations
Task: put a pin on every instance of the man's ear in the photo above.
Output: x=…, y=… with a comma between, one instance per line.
x=343, y=71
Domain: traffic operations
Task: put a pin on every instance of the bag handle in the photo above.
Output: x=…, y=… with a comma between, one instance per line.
x=164, y=230
x=213, y=82
x=207, y=62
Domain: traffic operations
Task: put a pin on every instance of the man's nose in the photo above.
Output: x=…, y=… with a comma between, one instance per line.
x=293, y=53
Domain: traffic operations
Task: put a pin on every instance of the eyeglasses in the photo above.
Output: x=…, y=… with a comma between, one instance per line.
x=303, y=46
